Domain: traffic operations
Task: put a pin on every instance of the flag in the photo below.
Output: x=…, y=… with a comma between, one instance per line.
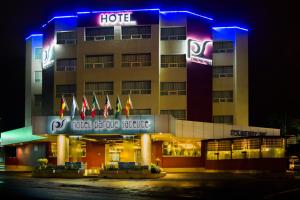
x=84, y=107
x=107, y=107
x=74, y=107
x=118, y=107
x=128, y=106
x=63, y=106
x=95, y=106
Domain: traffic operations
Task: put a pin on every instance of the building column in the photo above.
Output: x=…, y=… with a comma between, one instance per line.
x=62, y=149
x=146, y=149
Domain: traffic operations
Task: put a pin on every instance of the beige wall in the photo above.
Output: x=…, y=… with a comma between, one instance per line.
x=238, y=83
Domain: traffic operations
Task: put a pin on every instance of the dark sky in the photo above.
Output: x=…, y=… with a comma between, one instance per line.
x=273, y=73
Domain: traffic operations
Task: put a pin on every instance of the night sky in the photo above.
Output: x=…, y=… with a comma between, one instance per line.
x=273, y=73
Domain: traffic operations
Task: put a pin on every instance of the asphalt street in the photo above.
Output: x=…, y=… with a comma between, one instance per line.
x=173, y=186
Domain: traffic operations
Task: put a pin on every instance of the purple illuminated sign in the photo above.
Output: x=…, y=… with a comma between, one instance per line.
x=199, y=51
x=113, y=19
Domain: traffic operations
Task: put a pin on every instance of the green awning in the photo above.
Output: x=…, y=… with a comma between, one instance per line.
x=19, y=135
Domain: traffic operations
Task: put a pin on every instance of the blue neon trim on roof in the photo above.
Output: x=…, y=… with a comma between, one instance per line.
x=185, y=11
x=60, y=17
x=84, y=12
x=230, y=27
x=150, y=9
x=34, y=35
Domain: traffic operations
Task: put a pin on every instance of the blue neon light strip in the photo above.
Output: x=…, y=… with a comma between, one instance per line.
x=205, y=17
x=60, y=17
x=34, y=35
x=150, y=9
x=230, y=27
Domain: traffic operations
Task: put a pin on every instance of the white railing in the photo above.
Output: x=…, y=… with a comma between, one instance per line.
x=173, y=65
x=221, y=100
x=173, y=92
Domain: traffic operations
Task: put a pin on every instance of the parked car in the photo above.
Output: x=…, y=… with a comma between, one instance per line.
x=294, y=163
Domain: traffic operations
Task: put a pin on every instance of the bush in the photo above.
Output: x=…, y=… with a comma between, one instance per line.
x=154, y=169
x=43, y=163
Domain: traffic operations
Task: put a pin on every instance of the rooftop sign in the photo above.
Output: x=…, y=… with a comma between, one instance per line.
x=116, y=18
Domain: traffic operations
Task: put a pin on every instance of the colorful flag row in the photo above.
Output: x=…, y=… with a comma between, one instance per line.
x=95, y=106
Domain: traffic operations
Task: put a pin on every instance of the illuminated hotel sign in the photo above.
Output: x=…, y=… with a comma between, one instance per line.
x=246, y=133
x=198, y=50
x=48, y=56
x=134, y=124
x=113, y=19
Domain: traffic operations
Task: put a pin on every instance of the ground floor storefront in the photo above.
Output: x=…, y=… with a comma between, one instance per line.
x=96, y=152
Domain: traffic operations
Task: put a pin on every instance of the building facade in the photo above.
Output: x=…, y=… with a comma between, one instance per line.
x=187, y=79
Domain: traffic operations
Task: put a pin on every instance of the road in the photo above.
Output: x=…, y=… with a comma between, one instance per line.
x=173, y=186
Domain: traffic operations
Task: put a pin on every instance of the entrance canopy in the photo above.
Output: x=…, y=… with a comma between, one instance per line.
x=20, y=135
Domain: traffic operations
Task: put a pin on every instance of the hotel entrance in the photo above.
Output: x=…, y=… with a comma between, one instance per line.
x=127, y=149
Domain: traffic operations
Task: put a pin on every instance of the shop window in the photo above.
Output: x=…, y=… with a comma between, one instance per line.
x=246, y=148
x=272, y=148
x=83, y=149
x=182, y=149
x=218, y=150
x=53, y=149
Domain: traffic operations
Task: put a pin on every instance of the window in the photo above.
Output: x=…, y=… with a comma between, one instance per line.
x=38, y=100
x=136, y=87
x=222, y=71
x=224, y=119
x=38, y=76
x=173, y=61
x=178, y=114
x=38, y=53
x=272, y=148
x=173, y=88
x=66, y=37
x=53, y=150
x=136, y=32
x=66, y=90
x=218, y=150
x=246, y=148
x=173, y=33
x=222, y=96
x=96, y=34
x=223, y=46
x=66, y=65
x=182, y=149
x=136, y=60
x=99, y=61
x=83, y=149
x=138, y=112
x=99, y=88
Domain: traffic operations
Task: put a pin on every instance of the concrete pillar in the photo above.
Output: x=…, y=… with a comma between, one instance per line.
x=62, y=149
x=146, y=149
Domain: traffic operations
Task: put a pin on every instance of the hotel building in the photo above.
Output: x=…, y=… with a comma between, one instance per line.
x=186, y=77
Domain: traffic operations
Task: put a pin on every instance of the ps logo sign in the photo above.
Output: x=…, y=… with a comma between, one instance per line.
x=197, y=51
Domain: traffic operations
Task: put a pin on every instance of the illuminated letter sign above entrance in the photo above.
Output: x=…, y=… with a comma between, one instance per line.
x=114, y=19
x=198, y=51
x=133, y=125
